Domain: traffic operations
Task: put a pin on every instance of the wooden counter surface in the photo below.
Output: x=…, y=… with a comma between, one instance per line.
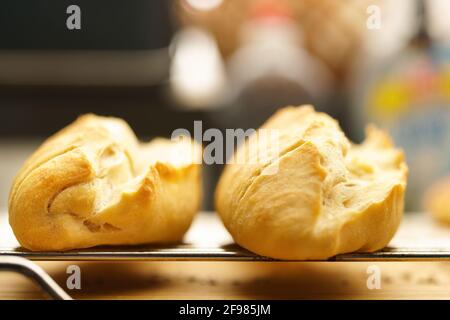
x=240, y=280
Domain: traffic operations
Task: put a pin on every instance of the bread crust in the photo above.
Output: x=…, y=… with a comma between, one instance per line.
x=323, y=195
x=437, y=200
x=93, y=183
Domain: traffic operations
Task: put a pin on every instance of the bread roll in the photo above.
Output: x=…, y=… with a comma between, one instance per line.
x=312, y=194
x=94, y=184
x=437, y=200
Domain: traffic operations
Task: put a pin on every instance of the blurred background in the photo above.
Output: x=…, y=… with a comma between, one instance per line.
x=162, y=64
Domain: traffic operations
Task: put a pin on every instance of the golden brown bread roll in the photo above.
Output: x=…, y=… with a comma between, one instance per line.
x=93, y=184
x=312, y=194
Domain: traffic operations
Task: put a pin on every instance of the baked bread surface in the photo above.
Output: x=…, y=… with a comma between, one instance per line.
x=437, y=200
x=306, y=192
x=93, y=183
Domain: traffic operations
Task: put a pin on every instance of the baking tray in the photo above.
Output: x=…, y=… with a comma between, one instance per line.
x=418, y=239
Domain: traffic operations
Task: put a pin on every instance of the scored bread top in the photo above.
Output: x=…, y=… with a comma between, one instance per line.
x=94, y=183
x=312, y=194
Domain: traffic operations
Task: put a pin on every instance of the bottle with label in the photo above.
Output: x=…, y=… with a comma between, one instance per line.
x=409, y=95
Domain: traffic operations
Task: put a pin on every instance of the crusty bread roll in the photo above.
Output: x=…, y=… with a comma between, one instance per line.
x=312, y=194
x=437, y=200
x=93, y=184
